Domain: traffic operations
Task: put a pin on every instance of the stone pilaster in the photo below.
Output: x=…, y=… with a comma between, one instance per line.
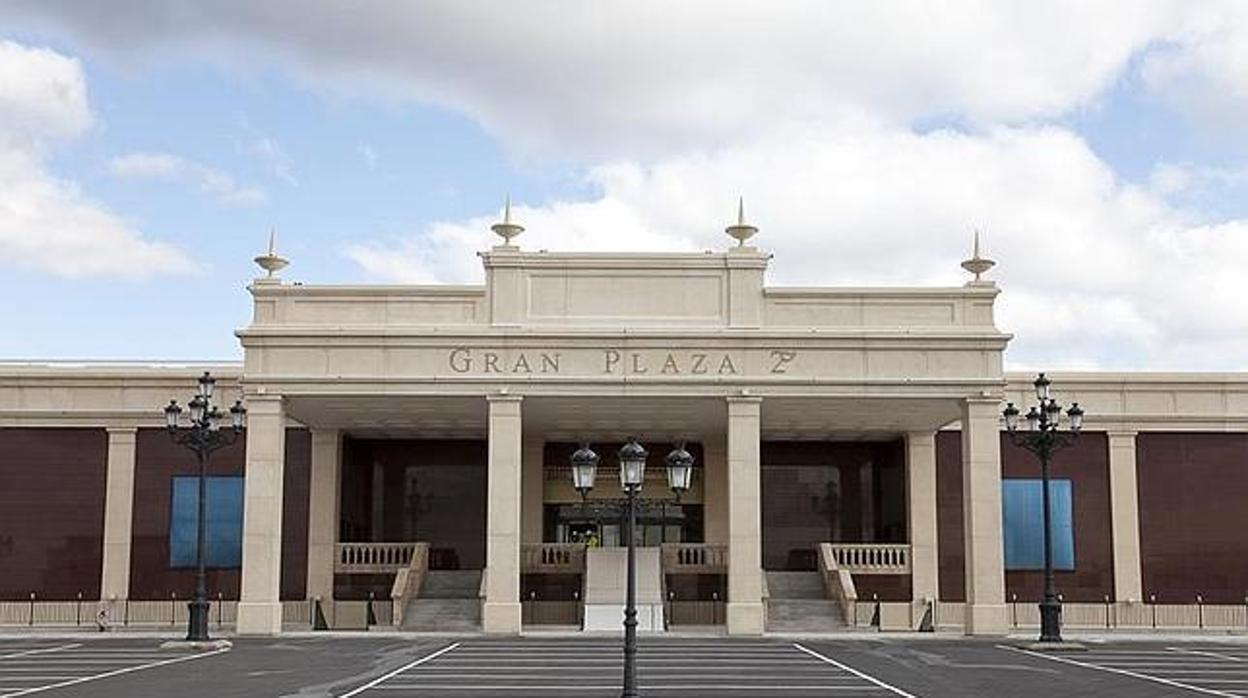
x=745, y=569
x=1125, y=516
x=118, y=514
x=260, y=607
x=533, y=488
x=323, y=499
x=501, y=611
x=714, y=475
x=981, y=514
x=921, y=498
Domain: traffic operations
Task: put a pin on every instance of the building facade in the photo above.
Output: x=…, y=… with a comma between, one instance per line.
x=410, y=444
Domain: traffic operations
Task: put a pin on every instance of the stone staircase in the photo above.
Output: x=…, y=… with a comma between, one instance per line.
x=799, y=604
x=448, y=602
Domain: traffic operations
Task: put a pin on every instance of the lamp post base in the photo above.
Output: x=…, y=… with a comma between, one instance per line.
x=197, y=627
x=1050, y=621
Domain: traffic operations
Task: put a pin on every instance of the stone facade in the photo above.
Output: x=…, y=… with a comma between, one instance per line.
x=560, y=347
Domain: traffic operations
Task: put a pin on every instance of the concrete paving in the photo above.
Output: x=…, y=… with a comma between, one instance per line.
x=398, y=666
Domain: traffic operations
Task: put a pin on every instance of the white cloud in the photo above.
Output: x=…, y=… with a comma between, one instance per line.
x=207, y=180
x=639, y=78
x=271, y=153
x=1094, y=271
x=46, y=223
x=1202, y=70
x=369, y=153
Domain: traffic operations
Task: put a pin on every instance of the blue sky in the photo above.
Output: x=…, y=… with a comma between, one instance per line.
x=1098, y=153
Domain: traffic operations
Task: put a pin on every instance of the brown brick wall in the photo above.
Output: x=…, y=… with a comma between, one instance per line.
x=51, y=512
x=1086, y=464
x=1193, y=515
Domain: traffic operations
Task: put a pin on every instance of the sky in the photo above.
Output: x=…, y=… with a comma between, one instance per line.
x=148, y=148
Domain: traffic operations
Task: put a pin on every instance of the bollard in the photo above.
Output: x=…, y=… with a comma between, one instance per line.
x=78, y=611
x=370, y=617
x=173, y=608
x=125, y=620
x=1200, y=612
x=1107, y=610
x=875, y=615
x=1014, y=610
x=1152, y=600
x=32, y=609
x=220, y=610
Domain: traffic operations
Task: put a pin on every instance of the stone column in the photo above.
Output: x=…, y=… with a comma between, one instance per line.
x=745, y=568
x=533, y=473
x=323, y=498
x=1125, y=516
x=921, y=498
x=118, y=514
x=501, y=612
x=715, y=489
x=260, y=606
x=981, y=515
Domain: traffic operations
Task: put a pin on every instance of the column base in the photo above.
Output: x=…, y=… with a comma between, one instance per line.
x=500, y=618
x=745, y=618
x=986, y=619
x=259, y=618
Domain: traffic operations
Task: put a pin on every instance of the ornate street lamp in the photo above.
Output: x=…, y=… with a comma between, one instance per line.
x=202, y=435
x=632, y=458
x=1044, y=438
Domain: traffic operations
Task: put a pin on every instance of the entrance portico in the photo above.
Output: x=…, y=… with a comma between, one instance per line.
x=559, y=348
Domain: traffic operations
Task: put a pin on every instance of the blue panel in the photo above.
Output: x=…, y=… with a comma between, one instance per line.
x=1022, y=508
x=223, y=530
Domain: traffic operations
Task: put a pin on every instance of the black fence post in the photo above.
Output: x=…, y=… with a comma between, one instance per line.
x=1014, y=610
x=370, y=617
x=1200, y=612
x=31, y=620
x=1107, y=610
x=78, y=611
x=318, y=615
x=173, y=608
x=220, y=610
x=125, y=620
x=1152, y=600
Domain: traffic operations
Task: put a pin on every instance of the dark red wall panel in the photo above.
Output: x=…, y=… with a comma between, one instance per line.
x=1193, y=512
x=157, y=461
x=1086, y=464
x=52, y=512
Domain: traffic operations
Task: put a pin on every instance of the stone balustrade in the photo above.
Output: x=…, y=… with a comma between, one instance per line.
x=872, y=558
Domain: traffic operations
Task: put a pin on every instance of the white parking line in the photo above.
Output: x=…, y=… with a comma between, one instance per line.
x=400, y=670
x=115, y=672
x=40, y=650
x=855, y=672
x=1207, y=653
x=1123, y=672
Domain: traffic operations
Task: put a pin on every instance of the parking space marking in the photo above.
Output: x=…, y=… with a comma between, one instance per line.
x=1185, y=683
x=68, y=672
x=400, y=670
x=40, y=650
x=671, y=667
x=854, y=671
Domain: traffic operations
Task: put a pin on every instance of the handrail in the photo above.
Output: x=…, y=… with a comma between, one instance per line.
x=837, y=581
x=372, y=558
x=871, y=558
x=407, y=582
x=694, y=558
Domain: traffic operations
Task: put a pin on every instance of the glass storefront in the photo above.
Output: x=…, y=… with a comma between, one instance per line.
x=601, y=524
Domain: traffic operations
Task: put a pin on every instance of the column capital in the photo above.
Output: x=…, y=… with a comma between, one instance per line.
x=1121, y=433
x=744, y=400
x=983, y=399
x=121, y=431
x=504, y=398
x=264, y=403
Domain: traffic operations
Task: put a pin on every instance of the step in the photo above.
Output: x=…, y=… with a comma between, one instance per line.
x=443, y=615
x=795, y=585
x=451, y=584
x=804, y=615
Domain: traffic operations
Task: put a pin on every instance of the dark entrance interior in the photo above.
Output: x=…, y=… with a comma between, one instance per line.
x=827, y=491
x=396, y=490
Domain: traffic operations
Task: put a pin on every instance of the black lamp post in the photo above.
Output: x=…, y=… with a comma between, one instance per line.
x=1043, y=439
x=202, y=436
x=632, y=459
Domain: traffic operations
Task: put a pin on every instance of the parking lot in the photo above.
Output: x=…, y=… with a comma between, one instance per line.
x=397, y=666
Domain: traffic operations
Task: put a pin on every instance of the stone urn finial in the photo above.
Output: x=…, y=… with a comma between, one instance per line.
x=977, y=265
x=270, y=261
x=506, y=229
x=741, y=231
